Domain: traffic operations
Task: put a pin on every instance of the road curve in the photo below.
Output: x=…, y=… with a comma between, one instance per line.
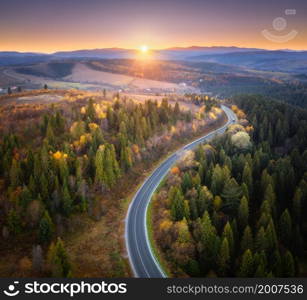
x=142, y=260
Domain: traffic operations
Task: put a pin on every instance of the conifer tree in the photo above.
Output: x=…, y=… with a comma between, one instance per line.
x=260, y=240
x=46, y=228
x=99, y=165
x=109, y=176
x=243, y=213
x=15, y=174
x=288, y=265
x=208, y=239
x=66, y=200
x=247, y=178
x=90, y=110
x=227, y=233
x=285, y=227
x=224, y=258
x=247, y=239
x=247, y=264
x=58, y=260
x=177, y=205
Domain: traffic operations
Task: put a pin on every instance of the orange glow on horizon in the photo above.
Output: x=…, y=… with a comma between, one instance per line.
x=37, y=47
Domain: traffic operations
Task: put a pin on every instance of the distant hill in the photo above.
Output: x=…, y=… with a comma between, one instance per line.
x=15, y=58
x=252, y=58
x=97, y=53
x=277, y=61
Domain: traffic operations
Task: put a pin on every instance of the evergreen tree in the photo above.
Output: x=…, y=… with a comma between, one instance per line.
x=296, y=204
x=66, y=200
x=247, y=239
x=224, y=258
x=217, y=181
x=247, y=264
x=15, y=174
x=276, y=264
x=227, y=233
x=285, y=227
x=186, y=182
x=46, y=228
x=260, y=240
x=177, y=205
x=247, y=179
x=208, y=240
x=99, y=165
x=243, y=213
x=58, y=260
x=232, y=194
x=109, y=176
x=288, y=265
x=90, y=110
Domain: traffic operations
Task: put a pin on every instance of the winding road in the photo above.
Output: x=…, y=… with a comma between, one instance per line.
x=142, y=260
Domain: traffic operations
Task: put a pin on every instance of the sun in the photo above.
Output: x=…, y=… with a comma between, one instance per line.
x=144, y=48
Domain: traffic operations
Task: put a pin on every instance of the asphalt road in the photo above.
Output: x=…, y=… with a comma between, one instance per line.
x=142, y=260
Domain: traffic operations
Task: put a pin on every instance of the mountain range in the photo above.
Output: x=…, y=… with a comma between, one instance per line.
x=288, y=61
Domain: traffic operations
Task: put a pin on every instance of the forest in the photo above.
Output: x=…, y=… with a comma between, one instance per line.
x=72, y=159
x=236, y=206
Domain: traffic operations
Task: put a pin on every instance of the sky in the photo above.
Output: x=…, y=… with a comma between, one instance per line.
x=56, y=25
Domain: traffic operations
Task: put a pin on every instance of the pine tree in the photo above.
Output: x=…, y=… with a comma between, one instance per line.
x=285, y=227
x=260, y=269
x=217, y=181
x=243, y=213
x=13, y=221
x=204, y=200
x=247, y=264
x=270, y=197
x=99, y=165
x=58, y=260
x=46, y=228
x=50, y=134
x=66, y=200
x=247, y=179
x=247, y=239
x=186, y=182
x=276, y=264
x=227, y=233
x=232, y=194
x=177, y=205
x=224, y=258
x=90, y=110
x=15, y=174
x=208, y=240
x=125, y=158
x=271, y=237
x=288, y=265
x=260, y=240
x=296, y=204
x=109, y=176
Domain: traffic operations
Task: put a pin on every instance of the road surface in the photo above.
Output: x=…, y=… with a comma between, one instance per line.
x=142, y=260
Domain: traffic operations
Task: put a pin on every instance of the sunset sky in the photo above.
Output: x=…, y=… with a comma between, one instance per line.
x=54, y=25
